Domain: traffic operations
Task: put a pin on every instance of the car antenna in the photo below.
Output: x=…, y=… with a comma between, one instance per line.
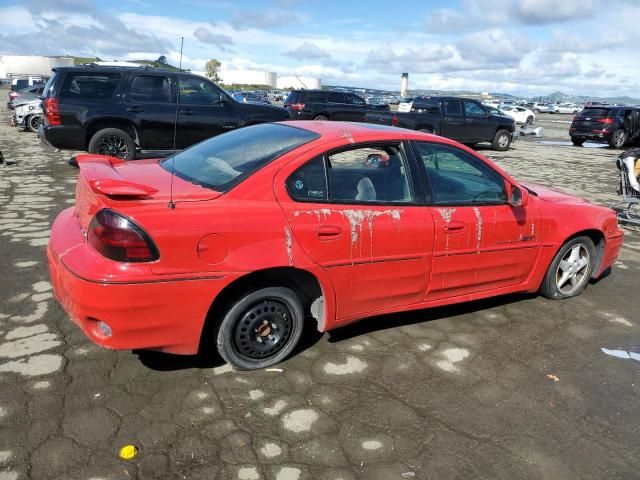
x=171, y=204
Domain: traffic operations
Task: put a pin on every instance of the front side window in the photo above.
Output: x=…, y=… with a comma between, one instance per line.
x=458, y=178
x=472, y=109
x=198, y=91
x=89, y=86
x=150, y=88
x=224, y=161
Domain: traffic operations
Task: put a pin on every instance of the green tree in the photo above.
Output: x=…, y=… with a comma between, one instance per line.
x=212, y=70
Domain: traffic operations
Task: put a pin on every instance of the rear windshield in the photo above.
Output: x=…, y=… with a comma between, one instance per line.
x=94, y=86
x=294, y=97
x=594, y=112
x=224, y=161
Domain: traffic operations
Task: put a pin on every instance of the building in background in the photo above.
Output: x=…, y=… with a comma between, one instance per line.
x=14, y=65
x=296, y=81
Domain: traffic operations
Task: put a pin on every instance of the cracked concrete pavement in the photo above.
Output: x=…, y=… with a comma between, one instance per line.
x=458, y=392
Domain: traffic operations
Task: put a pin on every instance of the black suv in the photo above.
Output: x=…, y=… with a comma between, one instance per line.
x=124, y=111
x=616, y=126
x=328, y=105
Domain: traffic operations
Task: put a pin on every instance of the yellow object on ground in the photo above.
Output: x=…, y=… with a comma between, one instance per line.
x=128, y=452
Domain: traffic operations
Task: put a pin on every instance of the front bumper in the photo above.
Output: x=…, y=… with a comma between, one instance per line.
x=158, y=313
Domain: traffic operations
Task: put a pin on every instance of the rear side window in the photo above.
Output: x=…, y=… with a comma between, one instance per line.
x=89, y=86
x=452, y=107
x=336, y=97
x=150, y=88
x=224, y=161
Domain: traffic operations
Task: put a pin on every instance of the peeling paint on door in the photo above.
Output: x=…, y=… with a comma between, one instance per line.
x=289, y=244
x=476, y=210
x=446, y=213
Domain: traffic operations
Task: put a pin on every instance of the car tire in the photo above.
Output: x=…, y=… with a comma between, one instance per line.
x=618, y=139
x=34, y=122
x=529, y=120
x=577, y=141
x=113, y=142
x=321, y=117
x=261, y=329
x=570, y=270
x=501, y=140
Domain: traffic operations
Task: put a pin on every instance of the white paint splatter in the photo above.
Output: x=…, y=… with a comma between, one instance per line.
x=351, y=365
x=300, y=420
x=270, y=450
x=372, y=445
x=622, y=354
x=278, y=407
x=33, y=366
x=21, y=332
x=452, y=356
x=248, y=473
x=290, y=473
x=256, y=394
x=446, y=213
x=42, y=286
x=289, y=244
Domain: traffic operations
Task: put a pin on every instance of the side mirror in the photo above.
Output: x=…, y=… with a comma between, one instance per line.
x=518, y=196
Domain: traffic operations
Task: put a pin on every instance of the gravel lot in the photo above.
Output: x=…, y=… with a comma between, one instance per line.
x=447, y=393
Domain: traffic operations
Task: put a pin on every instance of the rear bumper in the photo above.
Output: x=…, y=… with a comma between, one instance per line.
x=156, y=313
x=63, y=136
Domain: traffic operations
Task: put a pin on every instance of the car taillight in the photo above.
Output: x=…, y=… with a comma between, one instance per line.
x=53, y=111
x=118, y=238
x=607, y=121
x=297, y=107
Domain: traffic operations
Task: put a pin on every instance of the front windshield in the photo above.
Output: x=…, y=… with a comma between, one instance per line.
x=224, y=161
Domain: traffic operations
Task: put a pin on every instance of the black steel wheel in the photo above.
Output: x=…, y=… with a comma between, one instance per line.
x=261, y=328
x=112, y=142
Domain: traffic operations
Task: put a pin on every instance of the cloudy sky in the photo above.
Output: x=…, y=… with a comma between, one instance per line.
x=528, y=47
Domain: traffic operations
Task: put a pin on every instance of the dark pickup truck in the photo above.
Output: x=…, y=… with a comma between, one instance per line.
x=464, y=120
x=129, y=111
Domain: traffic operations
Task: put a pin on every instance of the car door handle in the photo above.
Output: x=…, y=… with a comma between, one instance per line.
x=454, y=226
x=187, y=111
x=326, y=232
x=135, y=109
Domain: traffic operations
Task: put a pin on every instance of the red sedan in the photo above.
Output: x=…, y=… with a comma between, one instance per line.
x=258, y=231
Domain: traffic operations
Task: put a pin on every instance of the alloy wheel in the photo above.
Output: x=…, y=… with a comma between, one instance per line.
x=573, y=269
x=113, y=146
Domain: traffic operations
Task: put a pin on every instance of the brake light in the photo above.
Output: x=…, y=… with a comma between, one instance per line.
x=297, y=107
x=53, y=111
x=118, y=238
x=607, y=121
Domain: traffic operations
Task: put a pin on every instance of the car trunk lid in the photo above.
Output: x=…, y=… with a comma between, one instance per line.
x=107, y=182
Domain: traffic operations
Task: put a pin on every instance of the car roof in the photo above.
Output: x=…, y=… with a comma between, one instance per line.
x=362, y=132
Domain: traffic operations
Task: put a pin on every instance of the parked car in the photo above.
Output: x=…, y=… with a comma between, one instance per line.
x=436, y=223
x=123, y=111
x=520, y=115
x=565, y=108
x=616, y=126
x=461, y=119
x=252, y=97
x=328, y=105
x=538, y=107
x=28, y=115
x=29, y=93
